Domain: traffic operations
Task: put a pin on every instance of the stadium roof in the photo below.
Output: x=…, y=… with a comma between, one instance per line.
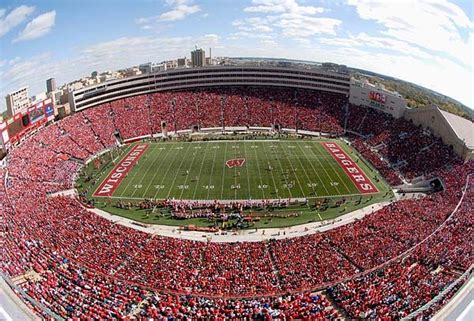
x=463, y=128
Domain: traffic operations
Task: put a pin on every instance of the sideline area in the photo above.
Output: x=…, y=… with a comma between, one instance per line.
x=247, y=235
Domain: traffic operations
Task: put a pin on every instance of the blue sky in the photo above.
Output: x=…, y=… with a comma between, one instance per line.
x=426, y=42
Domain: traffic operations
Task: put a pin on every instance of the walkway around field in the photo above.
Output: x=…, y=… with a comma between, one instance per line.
x=247, y=235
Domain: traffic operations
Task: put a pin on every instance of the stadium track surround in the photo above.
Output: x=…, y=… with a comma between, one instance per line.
x=79, y=265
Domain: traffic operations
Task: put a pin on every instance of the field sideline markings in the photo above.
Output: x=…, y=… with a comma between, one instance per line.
x=178, y=171
x=271, y=171
x=157, y=171
x=331, y=161
x=200, y=171
x=188, y=172
x=256, y=199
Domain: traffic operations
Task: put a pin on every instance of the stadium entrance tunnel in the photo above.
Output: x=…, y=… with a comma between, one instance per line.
x=433, y=185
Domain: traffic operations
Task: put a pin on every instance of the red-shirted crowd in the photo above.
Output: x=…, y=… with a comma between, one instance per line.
x=84, y=266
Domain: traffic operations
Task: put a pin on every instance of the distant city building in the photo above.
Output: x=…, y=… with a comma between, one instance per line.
x=130, y=72
x=182, y=62
x=94, y=74
x=55, y=97
x=145, y=68
x=50, y=85
x=17, y=101
x=198, y=58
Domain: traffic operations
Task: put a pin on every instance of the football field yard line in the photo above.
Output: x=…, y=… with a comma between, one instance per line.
x=223, y=171
x=321, y=181
x=271, y=171
x=151, y=152
x=330, y=161
x=130, y=181
x=188, y=171
x=304, y=170
x=282, y=172
x=259, y=173
x=157, y=170
x=294, y=172
x=211, y=174
x=200, y=171
x=167, y=170
x=248, y=177
x=177, y=171
x=235, y=170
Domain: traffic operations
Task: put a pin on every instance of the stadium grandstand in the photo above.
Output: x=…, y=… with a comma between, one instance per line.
x=399, y=245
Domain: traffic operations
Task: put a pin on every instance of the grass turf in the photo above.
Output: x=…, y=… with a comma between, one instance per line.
x=272, y=169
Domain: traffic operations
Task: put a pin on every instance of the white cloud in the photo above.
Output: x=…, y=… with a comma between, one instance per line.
x=38, y=27
x=14, y=61
x=14, y=18
x=179, y=12
x=382, y=43
x=250, y=35
x=180, y=9
x=280, y=6
x=254, y=24
x=290, y=18
x=432, y=24
x=296, y=25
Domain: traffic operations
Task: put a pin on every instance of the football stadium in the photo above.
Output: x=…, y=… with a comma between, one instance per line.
x=216, y=198
x=234, y=188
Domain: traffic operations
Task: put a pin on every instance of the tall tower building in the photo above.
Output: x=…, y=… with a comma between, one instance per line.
x=198, y=58
x=50, y=85
x=17, y=101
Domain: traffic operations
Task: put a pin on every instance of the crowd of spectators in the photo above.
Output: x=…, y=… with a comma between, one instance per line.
x=405, y=285
x=80, y=265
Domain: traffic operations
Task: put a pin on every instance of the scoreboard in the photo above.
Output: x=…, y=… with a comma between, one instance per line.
x=377, y=97
x=366, y=94
x=13, y=129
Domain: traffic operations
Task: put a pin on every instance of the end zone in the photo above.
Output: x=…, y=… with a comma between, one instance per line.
x=120, y=171
x=357, y=176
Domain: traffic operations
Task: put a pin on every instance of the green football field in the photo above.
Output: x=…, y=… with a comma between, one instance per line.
x=238, y=170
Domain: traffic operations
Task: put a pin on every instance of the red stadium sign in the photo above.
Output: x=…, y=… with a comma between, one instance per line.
x=378, y=97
